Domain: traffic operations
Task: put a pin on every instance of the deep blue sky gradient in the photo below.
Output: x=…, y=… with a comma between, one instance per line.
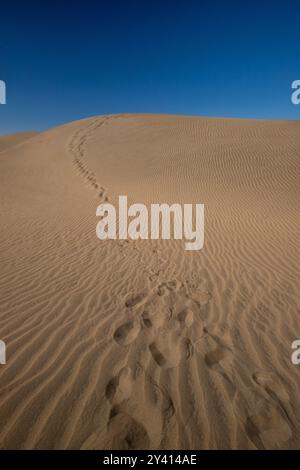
x=65, y=60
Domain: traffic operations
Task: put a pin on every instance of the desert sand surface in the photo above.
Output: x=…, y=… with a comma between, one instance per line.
x=141, y=344
x=11, y=140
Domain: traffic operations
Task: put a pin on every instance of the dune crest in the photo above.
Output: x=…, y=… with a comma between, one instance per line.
x=7, y=141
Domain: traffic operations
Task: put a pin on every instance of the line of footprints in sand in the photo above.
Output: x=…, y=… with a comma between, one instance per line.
x=160, y=320
x=164, y=317
x=77, y=147
x=170, y=323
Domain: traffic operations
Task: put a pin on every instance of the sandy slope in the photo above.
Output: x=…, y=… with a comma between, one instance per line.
x=142, y=344
x=11, y=140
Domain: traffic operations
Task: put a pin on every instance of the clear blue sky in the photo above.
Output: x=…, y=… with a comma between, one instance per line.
x=65, y=60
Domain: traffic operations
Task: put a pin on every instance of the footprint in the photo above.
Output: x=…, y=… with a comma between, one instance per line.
x=267, y=428
x=146, y=319
x=276, y=391
x=213, y=358
x=203, y=298
x=122, y=433
x=155, y=275
x=119, y=388
x=186, y=317
x=136, y=300
x=273, y=387
x=155, y=316
x=167, y=287
x=157, y=355
x=174, y=285
x=126, y=333
x=125, y=433
x=170, y=352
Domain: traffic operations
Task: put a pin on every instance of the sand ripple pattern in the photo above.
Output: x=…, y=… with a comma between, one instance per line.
x=141, y=345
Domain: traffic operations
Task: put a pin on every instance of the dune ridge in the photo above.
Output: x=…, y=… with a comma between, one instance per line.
x=11, y=140
x=140, y=344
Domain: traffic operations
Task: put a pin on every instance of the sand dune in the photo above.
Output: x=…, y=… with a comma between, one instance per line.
x=11, y=140
x=141, y=344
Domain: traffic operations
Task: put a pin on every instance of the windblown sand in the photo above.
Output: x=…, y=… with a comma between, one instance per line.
x=141, y=344
x=12, y=140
